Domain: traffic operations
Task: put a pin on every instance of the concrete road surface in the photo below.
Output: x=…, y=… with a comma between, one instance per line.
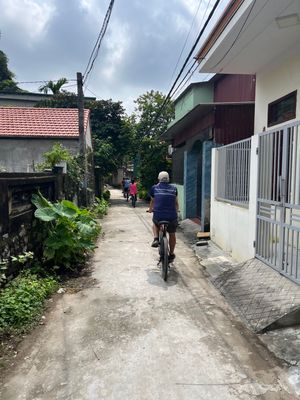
x=131, y=336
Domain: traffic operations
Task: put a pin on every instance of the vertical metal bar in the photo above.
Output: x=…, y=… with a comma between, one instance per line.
x=282, y=198
x=233, y=172
x=274, y=166
x=289, y=165
x=269, y=166
x=272, y=243
x=295, y=146
x=244, y=187
x=297, y=173
x=286, y=253
x=276, y=244
x=297, y=253
x=279, y=160
x=292, y=254
x=264, y=239
x=239, y=174
x=263, y=169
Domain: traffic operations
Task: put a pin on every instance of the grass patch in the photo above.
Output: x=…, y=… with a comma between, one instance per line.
x=22, y=301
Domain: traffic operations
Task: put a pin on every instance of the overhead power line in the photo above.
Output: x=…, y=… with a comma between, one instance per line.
x=187, y=77
x=45, y=81
x=193, y=47
x=97, y=45
x=184, y=64
x=186, y=39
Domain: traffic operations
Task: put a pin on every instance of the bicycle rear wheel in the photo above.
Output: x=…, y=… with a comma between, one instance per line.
x=164, y=258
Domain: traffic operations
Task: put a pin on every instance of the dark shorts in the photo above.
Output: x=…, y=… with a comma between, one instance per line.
x=172, y=226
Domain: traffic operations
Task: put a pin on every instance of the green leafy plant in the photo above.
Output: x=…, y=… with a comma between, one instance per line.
x=143, y=194
x=75, y=167
x=100, y=207
x=23, y=258
x=21, y=302
x=106, y=195
x=71, y=232
x=54, y=156
x=3, y=268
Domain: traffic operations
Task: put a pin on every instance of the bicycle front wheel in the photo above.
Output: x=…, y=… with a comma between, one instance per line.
x=164, y=258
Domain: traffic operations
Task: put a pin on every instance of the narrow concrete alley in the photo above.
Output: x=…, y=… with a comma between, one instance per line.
x=131, y=336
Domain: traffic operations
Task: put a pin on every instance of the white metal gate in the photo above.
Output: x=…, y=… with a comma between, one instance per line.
x=278, y=203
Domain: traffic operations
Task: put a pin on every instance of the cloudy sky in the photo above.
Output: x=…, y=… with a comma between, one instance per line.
x=50, y=39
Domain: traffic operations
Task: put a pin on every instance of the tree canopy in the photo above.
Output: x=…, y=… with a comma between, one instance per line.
x=111, y=133
x=7, y=83
x=151, y=120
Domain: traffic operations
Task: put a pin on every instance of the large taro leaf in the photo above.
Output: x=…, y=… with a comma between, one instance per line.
x=40, y=201
x=86, y=229
x=45, y=214
x=65, y=210
x=70, y=205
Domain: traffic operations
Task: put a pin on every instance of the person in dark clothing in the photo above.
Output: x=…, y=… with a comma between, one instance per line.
x=164, y=205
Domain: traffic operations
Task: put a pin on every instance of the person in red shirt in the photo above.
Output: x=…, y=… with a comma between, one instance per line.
x=133, y=191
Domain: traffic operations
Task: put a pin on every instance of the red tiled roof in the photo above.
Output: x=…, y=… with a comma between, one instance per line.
x=40, y=122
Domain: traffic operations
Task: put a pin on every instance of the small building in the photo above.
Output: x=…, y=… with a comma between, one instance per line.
x=207, y=114
x=255, y=199
x=26, y=133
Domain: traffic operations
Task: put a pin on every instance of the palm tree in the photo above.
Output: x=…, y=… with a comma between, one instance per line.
x=54, y=87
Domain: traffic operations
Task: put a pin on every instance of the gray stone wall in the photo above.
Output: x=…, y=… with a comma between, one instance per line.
x=19, y=155
x=20, y=231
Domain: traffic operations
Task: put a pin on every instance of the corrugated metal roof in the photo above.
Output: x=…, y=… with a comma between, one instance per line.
x=40, y=122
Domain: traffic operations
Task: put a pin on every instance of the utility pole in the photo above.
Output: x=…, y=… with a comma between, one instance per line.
x=82, y=141
x=80, y=114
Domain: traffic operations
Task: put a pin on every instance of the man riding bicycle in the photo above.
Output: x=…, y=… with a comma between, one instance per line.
x=126, y=188
x=164, y=205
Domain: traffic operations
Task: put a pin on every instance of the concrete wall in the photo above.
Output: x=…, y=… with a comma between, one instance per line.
x=88, y=136
x=233, y=228
x=18, y=155
x=192, y=179
x=274, y=83
x=206, y=185
x=117, y=177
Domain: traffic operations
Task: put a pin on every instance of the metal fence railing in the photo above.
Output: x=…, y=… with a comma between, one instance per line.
x=233, y=172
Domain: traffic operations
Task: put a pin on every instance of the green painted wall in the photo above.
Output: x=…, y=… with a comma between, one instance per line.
x=184, y=105
x=201, y=93
x=181, y=200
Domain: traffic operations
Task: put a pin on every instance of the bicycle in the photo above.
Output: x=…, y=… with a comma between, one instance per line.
x=163, y=249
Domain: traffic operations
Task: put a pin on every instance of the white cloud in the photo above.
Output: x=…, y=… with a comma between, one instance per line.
x=27, y=17
x=88, y=5
x=190, y=5
x=117, y=44
x=43, y=40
